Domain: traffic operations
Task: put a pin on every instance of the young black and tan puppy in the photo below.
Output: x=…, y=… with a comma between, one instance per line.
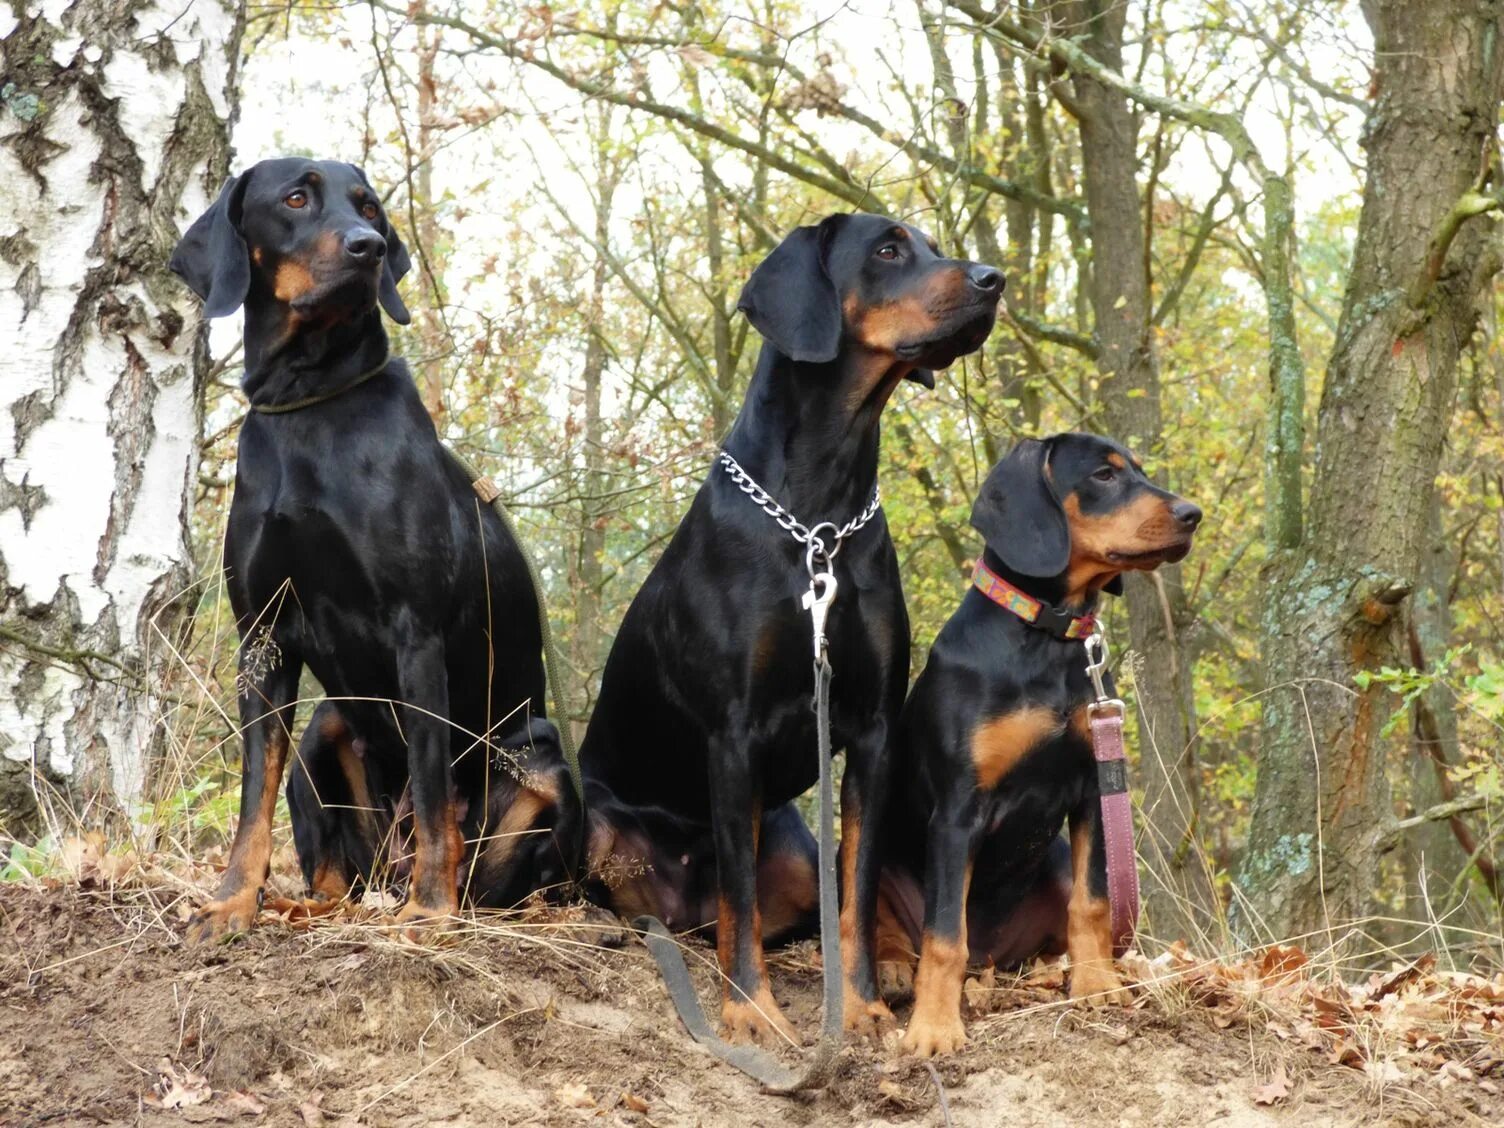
x=994, y=753
x=703, y=734
x=357, y=548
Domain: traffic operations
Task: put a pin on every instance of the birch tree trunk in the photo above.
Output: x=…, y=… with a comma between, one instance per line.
x=1424, y=258
x=114, y=131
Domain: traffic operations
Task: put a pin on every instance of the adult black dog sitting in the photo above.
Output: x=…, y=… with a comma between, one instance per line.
x=357, y=546
x=703, y=733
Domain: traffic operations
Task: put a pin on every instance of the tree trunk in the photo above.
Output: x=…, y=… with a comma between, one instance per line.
x=1177, y=888
x=114, y=130
x=1334, y=598
x=1433, y=859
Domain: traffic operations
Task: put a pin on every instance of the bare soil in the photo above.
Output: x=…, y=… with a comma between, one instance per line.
x=555, y=1018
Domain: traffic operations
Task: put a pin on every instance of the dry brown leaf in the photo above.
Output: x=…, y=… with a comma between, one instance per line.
x=243, y=1103
x=633, y=1102
x=574, y=1095
x=177, y=1087
x=1281, y=963
x=312, y=1114
x=1405, y=976
x=1276, y=1089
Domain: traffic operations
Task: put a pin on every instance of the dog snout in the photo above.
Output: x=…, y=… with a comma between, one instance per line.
x=985, y=278
x=364, y=245
x=1186, y=514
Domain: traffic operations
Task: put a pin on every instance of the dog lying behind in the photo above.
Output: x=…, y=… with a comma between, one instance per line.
x=357, y=547
x=994, y=750
x=703, y=734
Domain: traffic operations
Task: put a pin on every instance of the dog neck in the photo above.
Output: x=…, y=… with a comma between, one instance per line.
x=287, y=360
x=1054, y=590
x=809, y=432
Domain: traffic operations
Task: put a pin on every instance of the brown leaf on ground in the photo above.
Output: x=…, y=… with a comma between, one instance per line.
x=574, y=1095
x=243, y=1103
x=177, y=1087
x=312, y=1114
x=632, y=1102
x=1276, y=1089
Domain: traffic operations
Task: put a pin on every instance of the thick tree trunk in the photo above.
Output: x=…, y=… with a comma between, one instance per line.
x=114, y=130
x=1433, y=859
x=1334, y=603
x=1177, y=888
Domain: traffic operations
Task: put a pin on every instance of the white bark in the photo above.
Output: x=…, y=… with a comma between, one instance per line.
x=114, y=124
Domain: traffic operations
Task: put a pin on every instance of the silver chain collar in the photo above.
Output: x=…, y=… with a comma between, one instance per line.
x=815, y=546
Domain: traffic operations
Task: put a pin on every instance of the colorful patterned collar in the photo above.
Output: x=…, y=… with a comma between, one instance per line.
x=1035, y=612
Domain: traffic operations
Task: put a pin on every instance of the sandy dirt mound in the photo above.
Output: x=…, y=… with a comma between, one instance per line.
x=107, y=1018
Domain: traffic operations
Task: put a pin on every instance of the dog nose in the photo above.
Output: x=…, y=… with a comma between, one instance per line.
x=986, y=279
x=364, y=245
x=1187, y=514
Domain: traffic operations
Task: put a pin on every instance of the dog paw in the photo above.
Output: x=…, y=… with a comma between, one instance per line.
x=417, y=923
x=895, y=980
x=1097, y=984
x=931, y=1035
x=760, y=1021
x=224, y=916
x=866, y=1018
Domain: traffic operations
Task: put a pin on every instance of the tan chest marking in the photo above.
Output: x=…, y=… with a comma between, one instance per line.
x=998, y=745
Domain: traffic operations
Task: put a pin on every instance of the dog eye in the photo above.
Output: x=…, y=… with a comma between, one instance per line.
x=1106, y=474
x=888, y=251
x=369, y=210
x=295, y=199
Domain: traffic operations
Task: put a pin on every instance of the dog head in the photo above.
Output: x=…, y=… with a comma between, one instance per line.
x=1080, y=506
x=878, y=283
x=309, y=235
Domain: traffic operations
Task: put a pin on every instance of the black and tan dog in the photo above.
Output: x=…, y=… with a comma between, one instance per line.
x=357, y=547
x=703, y=734
x=994, y=753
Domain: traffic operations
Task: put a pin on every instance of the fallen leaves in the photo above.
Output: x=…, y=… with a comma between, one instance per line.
x=1275, y=1090
x=177, y=1086
x=88, y=860
x=1406, y=1022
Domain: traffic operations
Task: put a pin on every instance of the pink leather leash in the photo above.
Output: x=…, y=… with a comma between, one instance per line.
x=1105, y=715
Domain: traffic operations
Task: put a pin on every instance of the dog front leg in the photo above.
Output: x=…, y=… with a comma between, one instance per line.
x=748, y=1010
x=936, y=1026
x=864, y=795
x=266, y=712
x=423, y=682
x=1094, y=978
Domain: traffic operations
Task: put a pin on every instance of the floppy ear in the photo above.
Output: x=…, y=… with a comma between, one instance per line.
x=791, y=300
x=212, y=257
x=396, y=265
x=1019, y=515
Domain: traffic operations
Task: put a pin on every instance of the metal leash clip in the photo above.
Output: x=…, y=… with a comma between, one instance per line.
x=817, y=601
x=1096, y=668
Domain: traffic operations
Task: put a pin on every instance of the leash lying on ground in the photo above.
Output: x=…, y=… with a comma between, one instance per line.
x=761, y=1066
x=1105, y=715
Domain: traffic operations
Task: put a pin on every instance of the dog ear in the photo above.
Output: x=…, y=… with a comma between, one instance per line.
x=790, y=298
x=396, y=265
x=1019, y=515
x=212, y=256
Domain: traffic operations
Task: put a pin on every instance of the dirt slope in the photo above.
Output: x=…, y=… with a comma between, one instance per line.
x=106, y=1018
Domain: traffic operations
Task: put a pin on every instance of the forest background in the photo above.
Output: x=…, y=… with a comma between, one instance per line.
x=1254, y=239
